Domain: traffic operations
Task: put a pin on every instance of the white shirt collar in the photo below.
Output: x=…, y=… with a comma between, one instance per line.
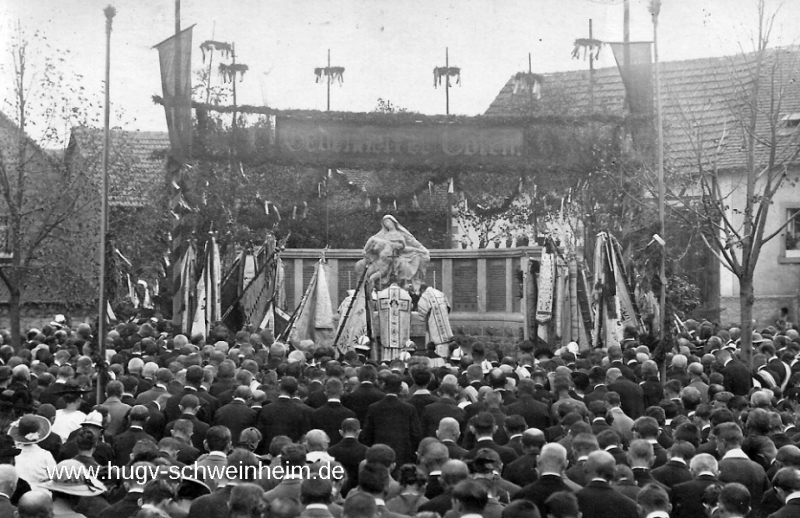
x=424, y=392
x=658, y=514
x=790, y=496
x=334, y=400
x=735, y=453
x=552, y=473
x=515, y=435
x=217, y=454
x=710, y=474
x=678, y=459
x=317, y=506
x=379, y=502
x=435, y=472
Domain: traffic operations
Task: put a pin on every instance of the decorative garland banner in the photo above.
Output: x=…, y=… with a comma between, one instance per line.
x=327, y=141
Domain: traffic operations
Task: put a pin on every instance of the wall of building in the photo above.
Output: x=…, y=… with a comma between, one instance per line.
x=777, y=278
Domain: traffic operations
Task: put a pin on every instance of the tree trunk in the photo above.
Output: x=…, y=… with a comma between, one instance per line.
x=746, y=301
x=14, y=316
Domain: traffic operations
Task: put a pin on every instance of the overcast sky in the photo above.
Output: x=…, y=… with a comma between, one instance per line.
x=388, y=47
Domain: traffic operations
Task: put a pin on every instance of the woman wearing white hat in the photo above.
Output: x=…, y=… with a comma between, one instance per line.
x=34, y=464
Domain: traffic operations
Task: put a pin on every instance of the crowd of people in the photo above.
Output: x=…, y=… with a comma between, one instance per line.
x=242, y=426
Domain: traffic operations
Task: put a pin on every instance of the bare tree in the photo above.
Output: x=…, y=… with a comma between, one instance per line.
x=40, y=199
x=747, y=149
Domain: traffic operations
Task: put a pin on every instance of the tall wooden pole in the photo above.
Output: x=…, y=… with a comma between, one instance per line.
x=591, y=70
x=447, y=80
x=110, y=12
x=174, y=174
x=655, y=9
x=626, y=33
x=329, y=81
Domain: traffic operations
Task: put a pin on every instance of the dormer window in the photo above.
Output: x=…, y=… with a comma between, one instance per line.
x=792, y=120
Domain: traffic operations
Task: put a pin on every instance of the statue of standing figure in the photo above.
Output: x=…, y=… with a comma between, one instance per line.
x=394, y=252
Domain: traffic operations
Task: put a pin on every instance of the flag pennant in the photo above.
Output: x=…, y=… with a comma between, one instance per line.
x=305, y=209
x=430, y=188
x=176, y=85
x=395, y=205
x=266, y=208
x=294, y=212
x=450, y=187
x=378, y=205
x=277, y=213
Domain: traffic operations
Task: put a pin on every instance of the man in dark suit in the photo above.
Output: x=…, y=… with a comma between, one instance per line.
x=598, y=499
x=237, y=415
x=552, y=462
x=189, y=405
x=124, y=442
x=366, y=394
x=224, y=380
x=535, y=413
x=349, y=452
x=597, y=379
x=282, y=417
x=736, y=466
x=515, y=426
x=194, y=380
x=448, y=434
x=315, y=388
x=163, y=379
x=453, y=472
x=676, y=470
x=630, y=394
x=616, y=360
x=421, y=397
x=640, y=456
x=787, y=485
x=129, y=504
x=484, y=428
x=156, y=422
x=523, y=470
x=393, y=422
x=647, y=428
x=735, y=374
x=433, y=413
x=330, y=416
x=215, y=505
x=687, y=497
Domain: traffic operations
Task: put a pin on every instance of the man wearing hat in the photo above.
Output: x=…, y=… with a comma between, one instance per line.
x=33, y=462
x=103, y=453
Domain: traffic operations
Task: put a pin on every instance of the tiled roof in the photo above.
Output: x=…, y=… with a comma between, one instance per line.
x=700, y=99
x=137, y=161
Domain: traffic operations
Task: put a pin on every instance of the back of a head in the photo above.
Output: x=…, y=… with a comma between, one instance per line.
x=316, y=490
x=600, y=464
x=584, y=443
x=735, y=499
x=553, y=458
x=381, y=454
x=521, y=508
x=471, y=495
x=652, y=498
x=246, y=501
x=359, y=505
x=35, y=504
x=562, y=504
x=8, y=479
x=453, y=472
x=373, y=478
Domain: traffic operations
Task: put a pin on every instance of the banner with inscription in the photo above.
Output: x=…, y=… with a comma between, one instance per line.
x=328, y=140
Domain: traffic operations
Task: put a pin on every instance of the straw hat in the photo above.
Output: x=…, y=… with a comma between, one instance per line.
x=30, y=429
x=71, y=477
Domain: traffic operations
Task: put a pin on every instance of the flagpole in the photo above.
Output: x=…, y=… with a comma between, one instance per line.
x=109, y=11
x=655, y=8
